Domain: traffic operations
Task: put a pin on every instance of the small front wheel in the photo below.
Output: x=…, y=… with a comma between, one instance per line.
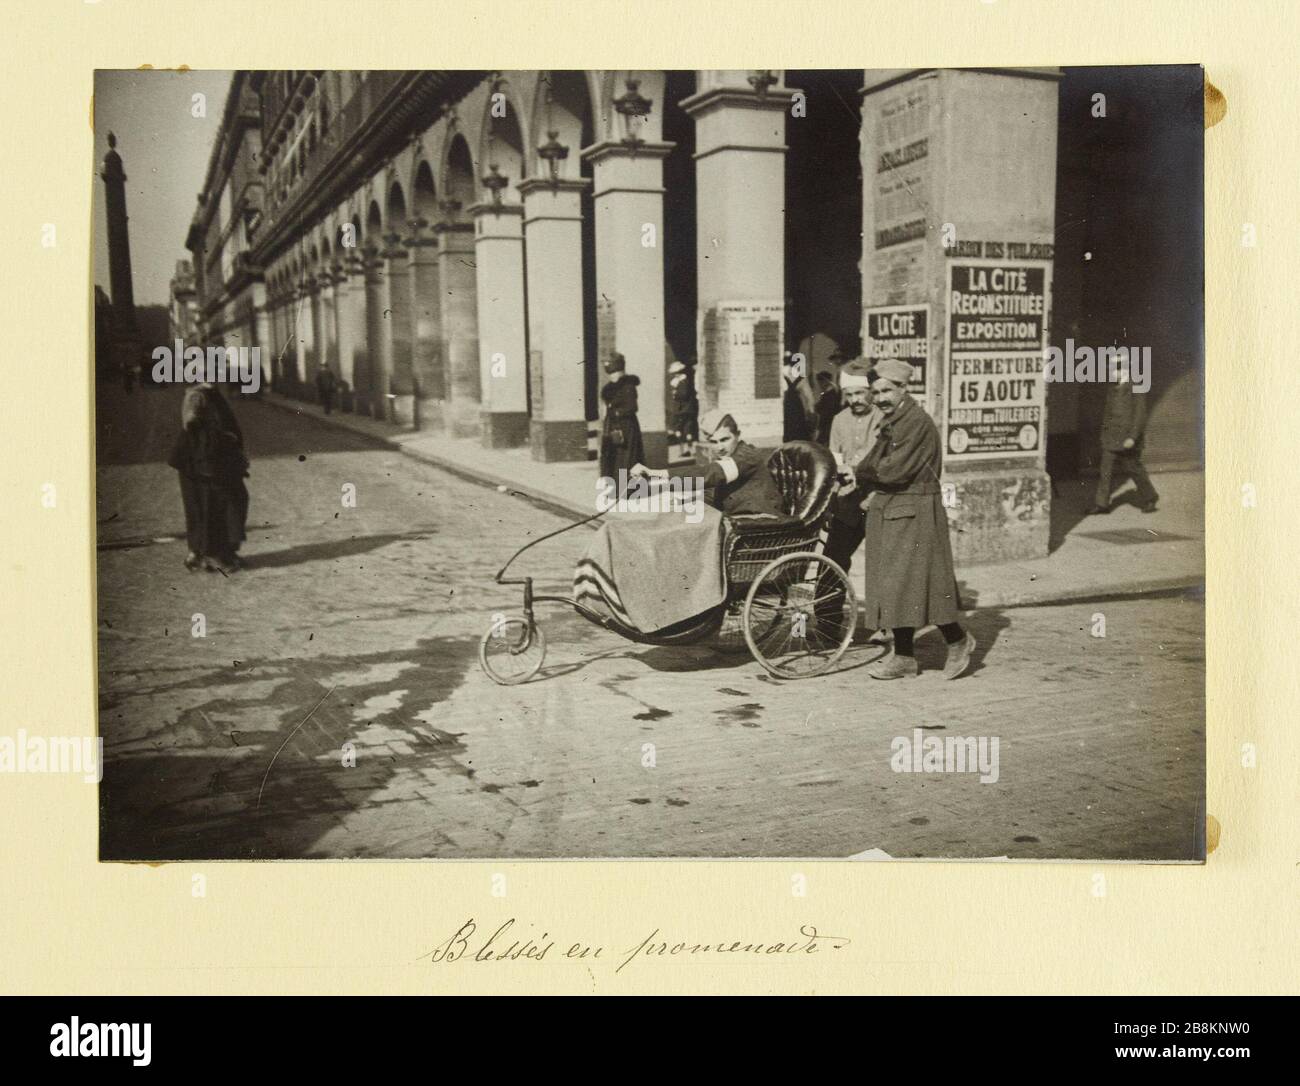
x=800, y=614
x=512, y=651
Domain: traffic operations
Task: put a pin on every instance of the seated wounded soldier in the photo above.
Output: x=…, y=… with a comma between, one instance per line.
x=648, y=573
x=737, y=481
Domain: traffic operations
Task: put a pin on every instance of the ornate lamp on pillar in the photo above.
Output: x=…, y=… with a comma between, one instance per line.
x=634, y=107
x=553, y=152
x=760, y=79
x=494, y=181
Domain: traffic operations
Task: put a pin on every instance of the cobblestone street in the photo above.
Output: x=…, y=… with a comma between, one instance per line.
x=360, y=626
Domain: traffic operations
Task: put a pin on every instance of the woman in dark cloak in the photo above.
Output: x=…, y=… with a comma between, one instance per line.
x=620, y=437
x=209, y=457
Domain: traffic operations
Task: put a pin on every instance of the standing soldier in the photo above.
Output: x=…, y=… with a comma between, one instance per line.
x=910, y=581
x=1122, y=429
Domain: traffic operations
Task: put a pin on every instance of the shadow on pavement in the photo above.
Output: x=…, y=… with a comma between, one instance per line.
x=196, y=795
x=329, y=551
x=1071, y=499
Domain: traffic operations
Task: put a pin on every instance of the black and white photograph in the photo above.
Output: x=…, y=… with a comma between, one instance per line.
x=650, y=464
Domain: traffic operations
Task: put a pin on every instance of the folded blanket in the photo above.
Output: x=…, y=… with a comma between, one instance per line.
x=654, y=570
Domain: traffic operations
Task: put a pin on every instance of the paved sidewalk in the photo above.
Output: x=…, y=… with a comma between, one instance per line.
x=1125, y=553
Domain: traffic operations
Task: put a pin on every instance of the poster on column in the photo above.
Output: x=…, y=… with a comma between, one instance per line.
x=746, y=345
x=997, y=326
x=901, y=191
x=903, y=332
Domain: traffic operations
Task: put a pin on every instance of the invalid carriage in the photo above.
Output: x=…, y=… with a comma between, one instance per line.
x=790, y=606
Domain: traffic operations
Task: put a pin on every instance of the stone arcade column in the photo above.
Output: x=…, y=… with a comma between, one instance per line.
x=553, y=254
x=345, y=323
x=959, y=188
x=427, y=381
x=284, y=349
x=277, y=339
x=364, y=354
x=360, y=376
x=396, y=315
x=629, y=206
x=315, y=340
x=376, y=333
x=740, y=251
x=302, y=322
x=262, y=335
x=319, y=326
x=328, y=340
x=287, y=350
x=502, y=324
x=459, y=324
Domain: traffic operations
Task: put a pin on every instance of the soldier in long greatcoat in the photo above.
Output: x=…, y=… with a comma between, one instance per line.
x=910, y=580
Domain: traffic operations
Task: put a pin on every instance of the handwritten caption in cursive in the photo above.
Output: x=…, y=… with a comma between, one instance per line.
x=502, y=946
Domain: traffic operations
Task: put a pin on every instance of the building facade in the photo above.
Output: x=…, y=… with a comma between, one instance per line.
x=184, y=307
x=230, y=287
x=465, y=248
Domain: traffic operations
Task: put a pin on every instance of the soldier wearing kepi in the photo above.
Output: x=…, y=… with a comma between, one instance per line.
x=910, y=581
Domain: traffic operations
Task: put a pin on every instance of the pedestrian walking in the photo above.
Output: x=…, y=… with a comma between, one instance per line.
x=208, y=456
x=910, y=580
x=1123, y=427
x=620, y=438
x=797, y=402
x=325, y=387
x=686, y=407
x=829, y=406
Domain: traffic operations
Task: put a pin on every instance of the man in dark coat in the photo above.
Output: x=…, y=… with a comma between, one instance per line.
x=797, y=402
x=829, y=404
x=1123, y=427
x=910, y=581
x=325, y=385
x=208, y=456
x=686, y=407
x=620, y=438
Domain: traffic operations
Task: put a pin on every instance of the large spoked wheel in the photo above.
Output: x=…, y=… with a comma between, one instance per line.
x=800, y=615
x=512, y=651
